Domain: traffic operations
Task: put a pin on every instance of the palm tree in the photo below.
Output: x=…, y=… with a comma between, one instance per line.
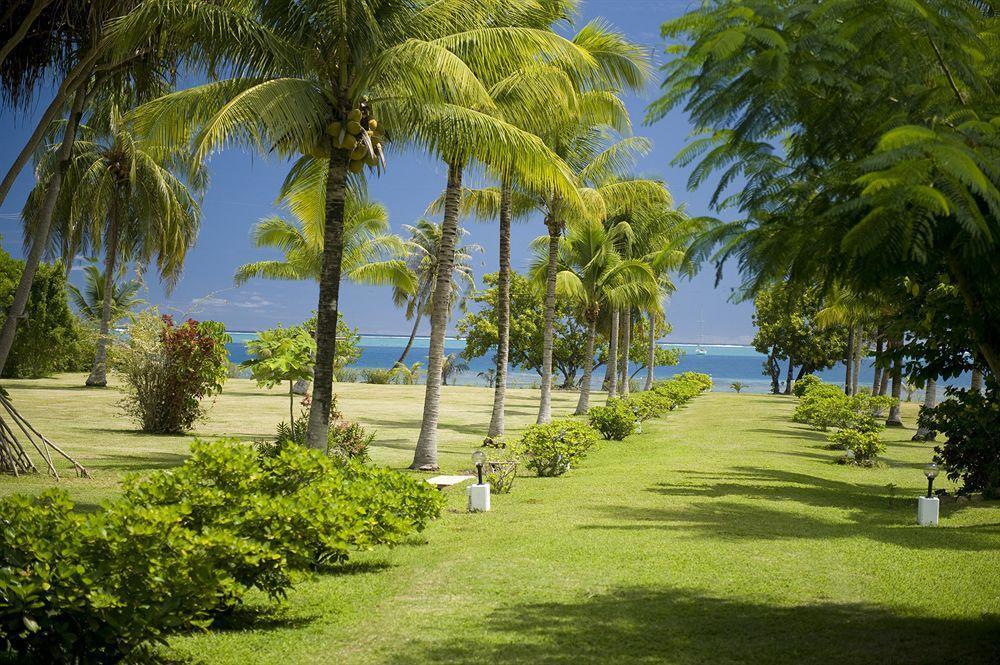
x=89, y=300
x=452, y=366
x=123, y=194
x=371, y=254
x=422, y=249
x=592, y=274
x=410, y=63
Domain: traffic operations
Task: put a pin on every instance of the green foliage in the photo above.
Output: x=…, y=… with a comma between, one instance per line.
x=864, y=445
x=47, y=337
x=738, y=386
x=378, y=375
x=702, y=382
x=824, y=405
x=349, y=441
x=804, y=384
x=281, y=354
x=167, y=370
x=99, y=587
x=971, y=452
x=479, y=328
x=648, y=404
x=550, y=449
x=615, y=421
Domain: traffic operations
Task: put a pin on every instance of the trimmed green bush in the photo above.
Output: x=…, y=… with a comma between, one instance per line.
x=865, y=445
x=824, y=405
x=550, y=449
x=615, y=421
x=800, y=387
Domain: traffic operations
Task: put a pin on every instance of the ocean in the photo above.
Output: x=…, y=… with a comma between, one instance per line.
x=725, y=363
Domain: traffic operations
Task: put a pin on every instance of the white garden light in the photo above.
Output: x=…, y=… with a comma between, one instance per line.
x=479, y=494
x=928, y=506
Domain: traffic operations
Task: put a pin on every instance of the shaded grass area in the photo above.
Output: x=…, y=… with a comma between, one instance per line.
x=722, y=534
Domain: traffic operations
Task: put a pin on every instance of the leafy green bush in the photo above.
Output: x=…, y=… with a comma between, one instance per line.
x=971, y=423
x=615, y=421
x=349, y=441
x=824, y=405
x=168, y=369
x=377, y=375
x=99, y=587
x=864, y=445
x=802, y=385
x=550, y=449
x=648, y=404
x=48, y=336
x=684, y=387
x=702, y=381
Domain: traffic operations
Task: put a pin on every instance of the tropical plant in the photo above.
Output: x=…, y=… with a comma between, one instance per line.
x=615, y=421
x=135, y=200
x=407, y=375
x=371, y=254
x=413, y=65
x=738, y=386
x=89, y=300
x=550, y=449
x=971, y=452
x=452, y=367
x=168, y=369
x=592, y=274
x=422, y=249
x=281, y=354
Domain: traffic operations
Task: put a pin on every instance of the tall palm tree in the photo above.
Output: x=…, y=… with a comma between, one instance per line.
x=411, y=63
x=593, y=274
x=372, y=255
x=422, y=249
x=124, y=195
x=89, y=300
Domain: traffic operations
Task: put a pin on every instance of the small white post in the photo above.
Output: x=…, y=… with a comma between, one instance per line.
x=927, y=510
x=479, y=498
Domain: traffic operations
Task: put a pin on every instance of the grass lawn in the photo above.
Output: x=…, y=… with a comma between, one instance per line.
x=722, y=534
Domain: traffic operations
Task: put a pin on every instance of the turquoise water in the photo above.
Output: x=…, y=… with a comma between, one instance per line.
x=726, y=363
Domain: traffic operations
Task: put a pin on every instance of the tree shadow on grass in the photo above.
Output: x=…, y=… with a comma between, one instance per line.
x=646, y=625
x=146, y=461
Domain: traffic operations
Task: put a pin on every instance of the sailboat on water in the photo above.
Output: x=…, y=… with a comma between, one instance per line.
x=701, y=350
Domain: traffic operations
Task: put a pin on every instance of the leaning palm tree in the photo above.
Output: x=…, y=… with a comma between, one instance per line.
x=592, y=274
x=372, y=255
x=126, y=196
x=89, y=299
x=422, y=249
x=408, y=63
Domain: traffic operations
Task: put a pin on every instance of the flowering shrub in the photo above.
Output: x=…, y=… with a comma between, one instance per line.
x=615, y=421
x=551, y=448
x=168, y=369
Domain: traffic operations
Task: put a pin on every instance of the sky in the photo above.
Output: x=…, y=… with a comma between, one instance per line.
x=244, y=185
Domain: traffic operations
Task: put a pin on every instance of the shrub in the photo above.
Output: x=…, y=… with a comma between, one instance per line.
x=346, y=375
x=738, y=386
x=649, y=404
x=377, y=375
x=800, y=387
x=971, y=453
x=703, y=381
x=47, y=338
x=684, y=387
x=550, y=449
x=615, y=421
x=824, y=405
x=349, y=441
x=864, y=445
x=99, y=587
x=168, y=369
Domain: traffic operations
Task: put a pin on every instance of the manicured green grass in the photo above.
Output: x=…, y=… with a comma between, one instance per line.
x=722, y=534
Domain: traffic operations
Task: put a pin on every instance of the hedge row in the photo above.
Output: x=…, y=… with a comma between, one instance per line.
x=184, y=545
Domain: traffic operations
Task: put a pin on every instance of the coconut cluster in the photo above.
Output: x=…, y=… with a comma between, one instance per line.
x=358, y=134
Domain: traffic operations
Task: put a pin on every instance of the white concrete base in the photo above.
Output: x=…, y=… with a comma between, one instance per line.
x=479, y=498
x=927, y=511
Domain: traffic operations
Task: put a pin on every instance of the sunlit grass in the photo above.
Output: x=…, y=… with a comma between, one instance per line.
x=722, y=534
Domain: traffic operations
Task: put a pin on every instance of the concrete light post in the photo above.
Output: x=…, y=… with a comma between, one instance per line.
x=928, y=506
x=479, y=494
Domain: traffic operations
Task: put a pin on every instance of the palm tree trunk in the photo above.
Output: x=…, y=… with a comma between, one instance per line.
x=859, y=347
x=583, y=405
x=329, y=294
x=425, y=455
x=789, y=376
x=848, y=361
x=930, y=401
x=417, y=315
x=43, y=227
x=551, y=269
x=612, y=371
x=976, y=381
x=894, y=419
x=503, y=317
x=99, y=374
x=71, y=85
x=651, y=358
x=879, y=348
x=626, y=344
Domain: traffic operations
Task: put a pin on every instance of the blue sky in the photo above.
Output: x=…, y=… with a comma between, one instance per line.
x=243, y=187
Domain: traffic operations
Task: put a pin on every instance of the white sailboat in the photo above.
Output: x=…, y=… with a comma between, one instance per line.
x=701, y=350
